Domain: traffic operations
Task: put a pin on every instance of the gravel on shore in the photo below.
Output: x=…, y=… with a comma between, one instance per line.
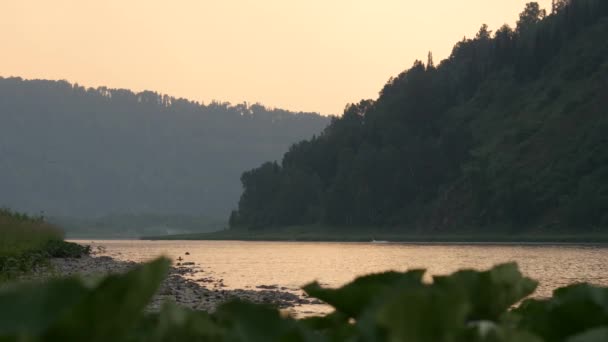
x=185, y=284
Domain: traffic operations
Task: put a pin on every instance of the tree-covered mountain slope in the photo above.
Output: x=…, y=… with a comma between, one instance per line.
x=76, y=152
x=510, y=131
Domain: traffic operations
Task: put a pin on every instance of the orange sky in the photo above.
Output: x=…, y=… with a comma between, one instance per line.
x=313, y=55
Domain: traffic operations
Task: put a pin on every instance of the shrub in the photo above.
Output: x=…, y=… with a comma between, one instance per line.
x=26, y=242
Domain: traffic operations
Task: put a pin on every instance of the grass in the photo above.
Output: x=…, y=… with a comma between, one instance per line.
x=366, y=234
x=26, y=242
x=20, y=233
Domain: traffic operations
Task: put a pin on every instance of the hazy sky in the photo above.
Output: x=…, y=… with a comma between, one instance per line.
x=312, y=55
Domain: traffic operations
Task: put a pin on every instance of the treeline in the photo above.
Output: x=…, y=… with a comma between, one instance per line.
x=72, y=151
x=510, y=130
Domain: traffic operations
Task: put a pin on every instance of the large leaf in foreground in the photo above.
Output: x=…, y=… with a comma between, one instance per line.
x=258, y=323
x=113, y=307
x=595, y=335
x=176, y=323
x=336, y=326
x=30, y=309
x=355, y=297
x=490, y=293
x=423, y=314
x=571, y=311
x=487, y=331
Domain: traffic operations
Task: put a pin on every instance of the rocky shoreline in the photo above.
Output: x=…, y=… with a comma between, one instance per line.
x=185, y=284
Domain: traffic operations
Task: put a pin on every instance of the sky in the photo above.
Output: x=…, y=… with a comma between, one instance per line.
x=313, y=55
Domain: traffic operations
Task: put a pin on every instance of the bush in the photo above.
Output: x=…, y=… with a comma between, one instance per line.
x=13, y=265
x=27, y=242
x=63, y=249
x=21, y=233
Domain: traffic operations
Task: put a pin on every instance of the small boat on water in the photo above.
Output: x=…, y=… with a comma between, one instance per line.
x=379, y=241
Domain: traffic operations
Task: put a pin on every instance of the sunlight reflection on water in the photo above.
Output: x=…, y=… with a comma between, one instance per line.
x=293, y=264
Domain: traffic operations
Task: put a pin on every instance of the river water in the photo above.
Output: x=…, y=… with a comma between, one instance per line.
x=245, y=265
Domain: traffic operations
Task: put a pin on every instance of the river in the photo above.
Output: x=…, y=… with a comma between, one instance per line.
x=245, y=265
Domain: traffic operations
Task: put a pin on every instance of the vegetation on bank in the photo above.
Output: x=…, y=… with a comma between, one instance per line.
x=20, y=232
x=510, y=130
x=27, y=242
x=468, y=305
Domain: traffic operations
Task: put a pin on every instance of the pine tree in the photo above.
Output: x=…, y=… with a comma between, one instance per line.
x=531, y=15
x=430, y=64
x=484, y=33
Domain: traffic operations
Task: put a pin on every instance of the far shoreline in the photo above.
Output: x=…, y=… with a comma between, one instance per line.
x=325, y=234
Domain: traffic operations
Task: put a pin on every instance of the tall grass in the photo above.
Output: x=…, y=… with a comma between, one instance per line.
x=27, y=242
x=20, y=233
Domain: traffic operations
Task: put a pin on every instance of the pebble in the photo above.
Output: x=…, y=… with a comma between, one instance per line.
x=177, y=287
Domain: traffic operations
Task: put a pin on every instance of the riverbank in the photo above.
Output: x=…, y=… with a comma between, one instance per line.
x=28, y=242
x=186, y=284
x=331, y=234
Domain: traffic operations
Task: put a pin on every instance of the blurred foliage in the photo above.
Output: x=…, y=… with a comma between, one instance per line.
x=469, y=305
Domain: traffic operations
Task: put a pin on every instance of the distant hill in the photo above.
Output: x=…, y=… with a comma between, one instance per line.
x=510, y=133
x=129, y=226
x=71, y=151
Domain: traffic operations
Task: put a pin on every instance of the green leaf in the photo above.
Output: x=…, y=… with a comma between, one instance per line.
x=487, y=331
x=352, y=299
x=595, y=335
x=423, y=314
x=258, y=323
x=335, y=326
x=572, y=310
x=491, y=293
x=29, y=309
x=329, y=321
x=113, y=307
x=176, y=323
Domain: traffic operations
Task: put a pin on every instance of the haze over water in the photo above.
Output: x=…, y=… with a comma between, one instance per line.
x=293, y=264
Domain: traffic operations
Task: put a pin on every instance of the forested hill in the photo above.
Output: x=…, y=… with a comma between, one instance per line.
x=71, y=151
x=510, y=131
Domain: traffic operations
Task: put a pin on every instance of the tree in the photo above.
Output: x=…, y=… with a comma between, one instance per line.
x=531, y=15
x=558, y=5
x=430, y=64
x=456, y=143
x=484, y=33
x=234, y=219
x=503, y=41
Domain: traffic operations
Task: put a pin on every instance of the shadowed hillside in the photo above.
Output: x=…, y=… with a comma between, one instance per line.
x=509, y=133
x=77, y=152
